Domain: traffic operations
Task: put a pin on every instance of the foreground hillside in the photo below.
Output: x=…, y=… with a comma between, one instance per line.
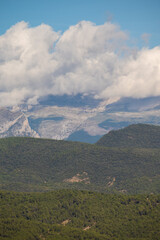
x=67, y=214
x=29, y=164
x=136, y=135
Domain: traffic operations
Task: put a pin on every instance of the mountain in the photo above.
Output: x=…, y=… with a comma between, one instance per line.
x=29, y=164
x=14, y=123
x=70, y=168
x=77, y=117
x=136, y=135
x=69, y=215
x=135, y=104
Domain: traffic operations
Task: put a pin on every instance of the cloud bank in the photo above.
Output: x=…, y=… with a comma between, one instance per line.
x=87, y=59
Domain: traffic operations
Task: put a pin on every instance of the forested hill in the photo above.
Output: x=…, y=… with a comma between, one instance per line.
x=79, y=215
x=136, y=135
x=29, y=164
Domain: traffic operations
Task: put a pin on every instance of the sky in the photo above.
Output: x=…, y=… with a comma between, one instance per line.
x=110, y=49
x=136, y=17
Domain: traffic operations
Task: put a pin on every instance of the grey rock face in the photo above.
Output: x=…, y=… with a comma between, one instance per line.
x=14, y=123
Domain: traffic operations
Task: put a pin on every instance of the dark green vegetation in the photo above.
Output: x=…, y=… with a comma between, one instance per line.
x=71, y=214
x=28, y=164
x=136, y=135
x=123, y=162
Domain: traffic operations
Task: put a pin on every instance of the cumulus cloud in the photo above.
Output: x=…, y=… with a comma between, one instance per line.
x=139, y=76
x=86, y=58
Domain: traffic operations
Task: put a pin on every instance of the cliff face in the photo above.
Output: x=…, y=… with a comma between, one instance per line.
x=14, y=123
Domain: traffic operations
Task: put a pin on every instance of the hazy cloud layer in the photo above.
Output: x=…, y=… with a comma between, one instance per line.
x=85, y=59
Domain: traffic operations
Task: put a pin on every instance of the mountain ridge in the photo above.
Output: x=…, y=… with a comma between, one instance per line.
x=135, y=135
x=77, y=117
x=30, y=164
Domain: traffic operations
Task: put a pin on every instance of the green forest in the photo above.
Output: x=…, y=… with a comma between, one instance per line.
x=69, y=190
x=29, y=164
x=135, y=136
x=72, y=214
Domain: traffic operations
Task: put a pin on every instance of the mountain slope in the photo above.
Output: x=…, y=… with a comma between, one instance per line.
x=29, y=164
x=136, y=135
x=77, y=117
x=14, y=123
x=68, y=215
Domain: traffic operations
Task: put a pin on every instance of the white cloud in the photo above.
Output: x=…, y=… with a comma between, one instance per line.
x=139, y=76
x=86, y=58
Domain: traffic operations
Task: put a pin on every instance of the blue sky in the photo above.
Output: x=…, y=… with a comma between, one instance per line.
x=134, y=16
